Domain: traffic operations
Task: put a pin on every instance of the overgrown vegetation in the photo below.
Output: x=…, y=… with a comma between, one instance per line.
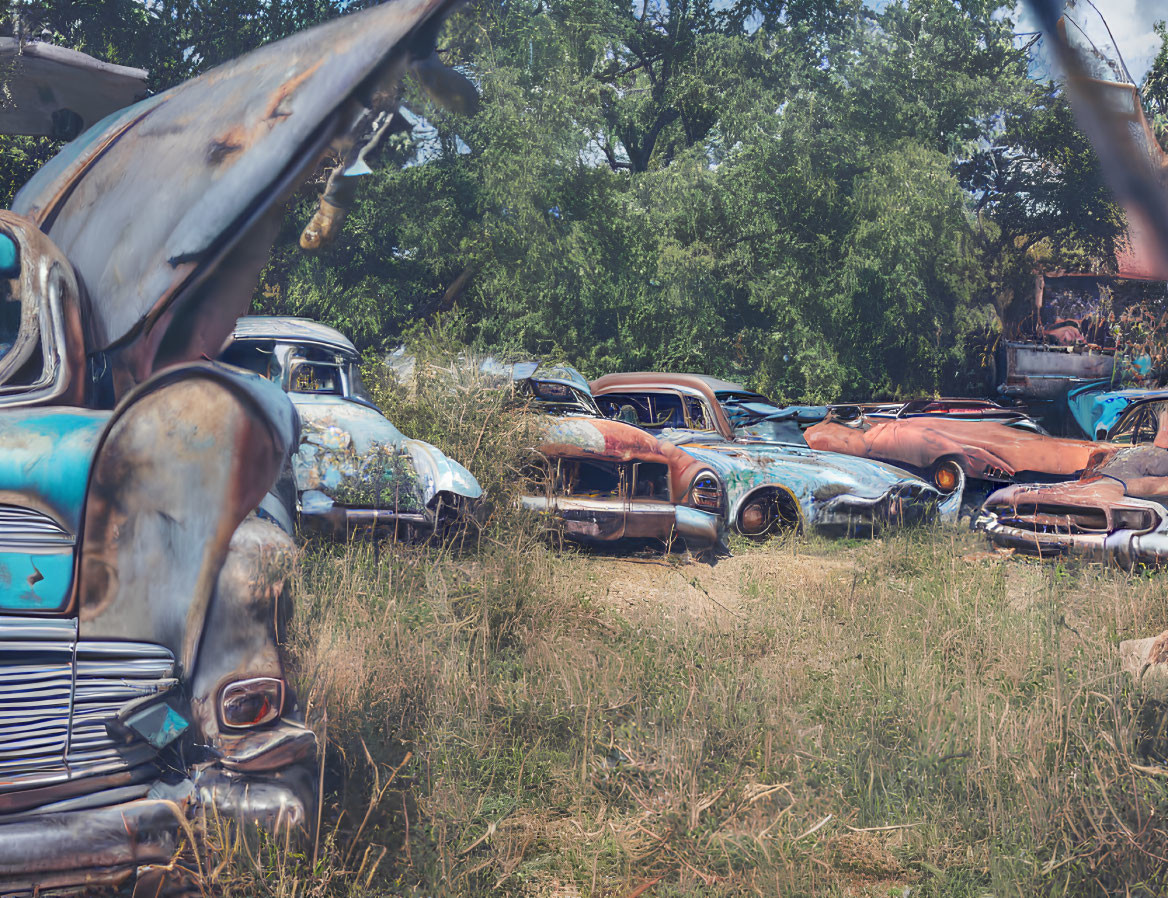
x=822, y=198
x=804, y=718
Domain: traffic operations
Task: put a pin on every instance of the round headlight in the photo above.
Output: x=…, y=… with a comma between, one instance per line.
x=251, y=703
x=706, y=491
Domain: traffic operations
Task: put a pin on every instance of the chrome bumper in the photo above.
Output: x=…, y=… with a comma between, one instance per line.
x=79, y=851
x=340, y=522
x=592, y=520
x=855, y=514
x=1124, y=548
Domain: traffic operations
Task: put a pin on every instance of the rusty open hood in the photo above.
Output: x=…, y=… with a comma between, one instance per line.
x=168, y=208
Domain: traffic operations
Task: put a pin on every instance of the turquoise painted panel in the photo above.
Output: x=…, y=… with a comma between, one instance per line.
x=35, y=582
x=46, y=454
x=9, y=257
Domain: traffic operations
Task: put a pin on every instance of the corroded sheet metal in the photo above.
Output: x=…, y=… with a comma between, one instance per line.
x=286, y=329
x=49, y=298
x=827, y=487
x=830, y=490
x=353, y=456
x=167, y=280
x=1039, y=371
x=56, y=92
x=615, y=516
x=184, y=460
x=1115, y=513
x=599, y=437
x=985, y=450
x=86, y=845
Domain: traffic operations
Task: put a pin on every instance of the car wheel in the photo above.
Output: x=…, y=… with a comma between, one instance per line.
x=946, y=475
x=768, y=512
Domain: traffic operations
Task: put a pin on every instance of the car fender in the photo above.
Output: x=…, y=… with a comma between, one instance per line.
x=441, y=472
x=184, y=459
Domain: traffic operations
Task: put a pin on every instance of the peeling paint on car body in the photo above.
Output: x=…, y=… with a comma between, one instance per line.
x=830, y=491
x=1115, y=513
x=129, y=257
x=984, y=450
x=362, y=472
x=607, y=480
x=835, y=493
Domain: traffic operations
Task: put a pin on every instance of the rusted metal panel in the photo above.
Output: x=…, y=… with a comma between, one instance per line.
x=985, y=450
x=1040, y=371
x=53, y=91
x=768, y=469
x=1115, y=513
x=165, y=213
x=49, y=295
x=619, y=509
x=354, y=470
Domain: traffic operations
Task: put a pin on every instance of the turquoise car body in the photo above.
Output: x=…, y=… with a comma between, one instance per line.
x=354, y=470
x=835, y=493
x=1097, y=409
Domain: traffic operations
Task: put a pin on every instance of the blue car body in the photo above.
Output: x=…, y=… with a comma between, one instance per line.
x=835, y=493
x=354, y=470
x=1097, y=409
x=772, y=477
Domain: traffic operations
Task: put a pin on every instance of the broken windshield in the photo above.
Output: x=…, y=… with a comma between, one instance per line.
x=557, y=398
x=755, y=417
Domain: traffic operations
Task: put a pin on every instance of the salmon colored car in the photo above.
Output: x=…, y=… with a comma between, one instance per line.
x=943, y=449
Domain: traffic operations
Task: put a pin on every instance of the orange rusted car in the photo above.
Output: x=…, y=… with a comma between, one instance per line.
x=1115, y=513
x=943, y=449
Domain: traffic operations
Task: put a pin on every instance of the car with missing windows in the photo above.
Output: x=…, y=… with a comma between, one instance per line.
x=354, y=471
x=606, y=480
x=774, y=480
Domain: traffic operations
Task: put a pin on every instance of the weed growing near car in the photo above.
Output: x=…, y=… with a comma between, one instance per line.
x=805, y=718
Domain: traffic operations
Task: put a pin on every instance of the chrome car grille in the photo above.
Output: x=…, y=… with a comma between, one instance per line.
x=26, y=527
x=45, y=671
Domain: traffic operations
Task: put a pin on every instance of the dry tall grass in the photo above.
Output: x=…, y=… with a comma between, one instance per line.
x=806, y=718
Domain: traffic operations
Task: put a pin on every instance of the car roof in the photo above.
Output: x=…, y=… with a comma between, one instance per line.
x=701, y=382
x=293, y=330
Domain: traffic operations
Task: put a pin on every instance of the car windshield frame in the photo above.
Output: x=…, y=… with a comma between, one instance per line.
x=1138, y=419
x=575, y=403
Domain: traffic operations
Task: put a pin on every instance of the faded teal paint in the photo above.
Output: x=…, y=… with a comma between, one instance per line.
x=46, y=455
x=9, y=257
x=35, y=582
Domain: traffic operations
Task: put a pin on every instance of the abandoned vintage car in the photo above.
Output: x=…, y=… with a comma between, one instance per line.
x=353, y=471
x=773, y=480
x=957, y=409
x=1116, y=512
x=141, y=678
x=607, y=480
x=946, y=449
